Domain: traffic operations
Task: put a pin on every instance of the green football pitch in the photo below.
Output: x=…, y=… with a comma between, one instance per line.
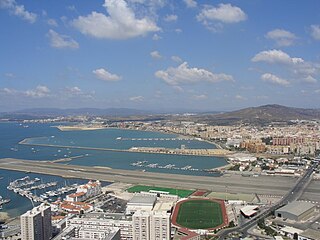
x=200, y=214
x=141, y=188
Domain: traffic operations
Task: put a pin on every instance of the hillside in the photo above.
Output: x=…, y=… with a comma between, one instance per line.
x=262, y=115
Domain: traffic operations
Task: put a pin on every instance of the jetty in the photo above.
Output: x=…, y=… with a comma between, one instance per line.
x=172, y=151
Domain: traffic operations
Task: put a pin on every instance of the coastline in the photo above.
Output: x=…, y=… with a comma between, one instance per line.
x=88, y=127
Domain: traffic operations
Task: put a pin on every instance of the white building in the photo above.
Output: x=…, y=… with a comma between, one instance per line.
x=141, y=225
x=85, y=191
x=36, y=224
x=160, y=226
x=110, y=234
x=91, y=188
x=104, y=222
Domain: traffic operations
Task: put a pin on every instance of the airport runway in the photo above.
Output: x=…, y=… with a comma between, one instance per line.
x=231, y=183
x=312, y=192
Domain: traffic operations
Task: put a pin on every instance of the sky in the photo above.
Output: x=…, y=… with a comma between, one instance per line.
x=160, y=55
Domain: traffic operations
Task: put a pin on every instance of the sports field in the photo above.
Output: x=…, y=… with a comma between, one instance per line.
x=200, y=214
x=180, y=192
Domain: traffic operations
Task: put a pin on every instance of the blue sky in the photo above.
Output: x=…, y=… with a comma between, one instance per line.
x=159, y=54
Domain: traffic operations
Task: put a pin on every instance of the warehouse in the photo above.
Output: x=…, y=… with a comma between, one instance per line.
x=296, y=211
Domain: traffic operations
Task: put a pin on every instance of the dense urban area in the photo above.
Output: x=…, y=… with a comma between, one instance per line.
x=282, y=157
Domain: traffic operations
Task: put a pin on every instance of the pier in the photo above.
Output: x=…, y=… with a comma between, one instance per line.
x=156, y=139
x=171, y=151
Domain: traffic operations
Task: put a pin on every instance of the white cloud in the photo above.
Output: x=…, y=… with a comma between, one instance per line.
x=72, y=8
x=121, y=23
x=315, y=32
x=8, y=91
x=271, y=78
x=61, y=41
x=240, y=98
x=156, y=37
x=310, y=79
x=276, y=56
x=18, y=10
x=225, y=13
x=9, y=75
x=178, y=30
x=52, y=22
x=297, y=66
x=104, y=75
x=176, y=59
x=281, y=37
x=190, y=3
x=136, y=99
x=39, y=92
x=71, y=92
x=74, y=90
x=171, y=18
x=155, y=55
x=200, y=97
x=178, y=89
x=183, y=74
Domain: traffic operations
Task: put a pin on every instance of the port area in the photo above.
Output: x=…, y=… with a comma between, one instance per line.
x=80, y=127
x=231, y=183
x=186, y=151
x=152, y=150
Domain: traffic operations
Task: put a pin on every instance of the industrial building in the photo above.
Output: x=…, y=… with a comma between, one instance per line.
x=296, y=210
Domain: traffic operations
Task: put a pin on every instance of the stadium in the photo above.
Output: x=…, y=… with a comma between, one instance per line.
x=200, y=213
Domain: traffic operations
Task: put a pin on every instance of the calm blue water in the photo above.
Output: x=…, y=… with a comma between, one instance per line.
x=12, y=133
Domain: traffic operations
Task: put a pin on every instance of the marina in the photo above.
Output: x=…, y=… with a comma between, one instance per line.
x=13, y=133
x=27, y=187
x=145, y=164
x=3, y=201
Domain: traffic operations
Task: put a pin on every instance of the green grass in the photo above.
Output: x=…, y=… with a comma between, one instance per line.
x=180, y=192
x=200, y=214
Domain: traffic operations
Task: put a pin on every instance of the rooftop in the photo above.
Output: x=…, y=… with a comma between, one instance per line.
x=297, y=207
x=249, y=210
x=142, y=200
x=311, y=233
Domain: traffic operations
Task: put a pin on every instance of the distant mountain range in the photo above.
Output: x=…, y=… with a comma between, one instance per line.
x=53, y=112
x=262, y=115
x=254, y=115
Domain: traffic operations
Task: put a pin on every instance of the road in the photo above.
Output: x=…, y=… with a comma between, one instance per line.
x=293, y=194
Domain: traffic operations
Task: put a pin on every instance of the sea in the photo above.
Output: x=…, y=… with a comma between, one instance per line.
x=11, y=133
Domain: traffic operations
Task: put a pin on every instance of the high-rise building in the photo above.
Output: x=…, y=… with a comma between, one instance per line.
x=141, y=225
x=36, y=224
x=160, y=226
x=151, y=225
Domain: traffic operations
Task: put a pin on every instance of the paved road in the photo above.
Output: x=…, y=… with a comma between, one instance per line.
x=233, y=183
x=292, y=195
